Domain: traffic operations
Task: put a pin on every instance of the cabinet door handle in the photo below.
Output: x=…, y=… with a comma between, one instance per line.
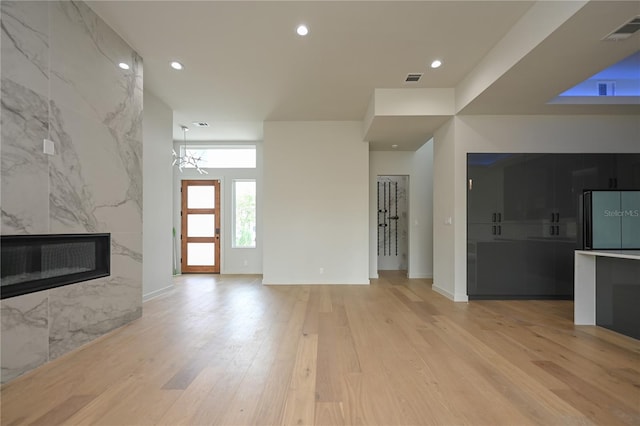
x=557, y=217
x=499, y=217
x=615, y=182
x=493, y=217
x=499, y=229
x=610, y=183
x=493, y=230
x=553, y=230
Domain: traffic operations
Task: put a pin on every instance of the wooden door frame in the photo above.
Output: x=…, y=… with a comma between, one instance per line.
x=184, y=213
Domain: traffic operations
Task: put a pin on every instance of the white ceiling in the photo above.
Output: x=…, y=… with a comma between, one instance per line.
x=244, y=64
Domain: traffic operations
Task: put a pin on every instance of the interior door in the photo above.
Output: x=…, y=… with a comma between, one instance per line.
x=200, y=230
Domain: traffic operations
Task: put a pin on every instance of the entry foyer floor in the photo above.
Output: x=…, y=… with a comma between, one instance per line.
x=227, y=350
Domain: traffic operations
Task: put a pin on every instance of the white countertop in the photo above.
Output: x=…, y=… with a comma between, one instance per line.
x=621, y=254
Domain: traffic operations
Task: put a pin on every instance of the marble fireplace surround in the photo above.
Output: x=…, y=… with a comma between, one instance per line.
x=60, y=81
x=32, y=263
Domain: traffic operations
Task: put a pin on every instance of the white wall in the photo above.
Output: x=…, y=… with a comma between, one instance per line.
x=520, y=134
x=421, y=213
x=157, y=211
x=232, y=260
x=418, y=166
x=316, y=211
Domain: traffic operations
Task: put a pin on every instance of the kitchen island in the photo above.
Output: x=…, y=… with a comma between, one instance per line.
x=607, y=288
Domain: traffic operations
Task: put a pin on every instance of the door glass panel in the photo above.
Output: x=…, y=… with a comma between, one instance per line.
x=201, y=197
x=607, y=233
x=201, y=254
x=201, y=225
x=630, y=219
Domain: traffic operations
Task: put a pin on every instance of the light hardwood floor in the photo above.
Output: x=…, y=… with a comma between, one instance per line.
x=227, y=350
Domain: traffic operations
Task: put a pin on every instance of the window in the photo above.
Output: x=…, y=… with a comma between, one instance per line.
x=244, y=213
x=223, y=156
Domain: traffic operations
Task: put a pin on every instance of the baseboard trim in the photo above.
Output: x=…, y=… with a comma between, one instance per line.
x=316, y=283
x=156, y=293
x=420, y=276
x=443, y=292
x=461, y=298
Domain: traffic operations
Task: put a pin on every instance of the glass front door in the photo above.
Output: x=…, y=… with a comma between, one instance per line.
x=200, y=214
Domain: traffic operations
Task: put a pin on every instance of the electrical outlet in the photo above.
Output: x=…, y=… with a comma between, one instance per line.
x=48, y=147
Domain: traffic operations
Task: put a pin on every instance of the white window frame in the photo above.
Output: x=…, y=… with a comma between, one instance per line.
x=214, y=147
x=233, y=214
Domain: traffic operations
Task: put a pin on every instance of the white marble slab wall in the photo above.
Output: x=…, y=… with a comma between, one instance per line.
x=25, y=114
x=60, y=81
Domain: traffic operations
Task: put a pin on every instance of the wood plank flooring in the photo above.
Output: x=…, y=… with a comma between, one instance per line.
x=226, y=350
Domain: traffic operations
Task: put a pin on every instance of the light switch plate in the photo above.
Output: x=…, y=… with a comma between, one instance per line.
x=48, y=147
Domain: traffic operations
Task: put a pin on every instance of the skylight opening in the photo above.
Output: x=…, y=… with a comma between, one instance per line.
x=618, y=80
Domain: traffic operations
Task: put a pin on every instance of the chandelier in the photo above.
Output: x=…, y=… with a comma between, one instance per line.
x=186, y=158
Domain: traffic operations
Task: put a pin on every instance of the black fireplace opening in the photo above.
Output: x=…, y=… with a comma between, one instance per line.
x=33, y=263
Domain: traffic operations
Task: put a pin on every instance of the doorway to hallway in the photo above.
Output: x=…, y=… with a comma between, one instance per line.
x=392, y=213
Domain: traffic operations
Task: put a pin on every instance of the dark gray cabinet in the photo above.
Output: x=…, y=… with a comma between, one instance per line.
x=627, y=171
x=618, y=292
x=486, y=192
x=524, y=218
x=610, y=171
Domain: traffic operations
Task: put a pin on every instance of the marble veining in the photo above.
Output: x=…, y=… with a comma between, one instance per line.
x=71, y=203
x=81, y=312
x=25, y=330
x=90, y=185
x=98, y=108
x=118, y=249
x=60, y=81
x=128, y=138
x=84, y=311
x=25, y=44
x=23, y=166
x=84, y=70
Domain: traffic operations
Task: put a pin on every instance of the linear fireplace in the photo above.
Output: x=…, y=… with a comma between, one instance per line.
x=33, y=263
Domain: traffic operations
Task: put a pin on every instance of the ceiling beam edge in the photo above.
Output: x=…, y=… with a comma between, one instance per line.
x=540, y=21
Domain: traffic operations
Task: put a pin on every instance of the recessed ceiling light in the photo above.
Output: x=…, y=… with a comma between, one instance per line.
x=436, y=64
x=123, y=65
x=302, y=30
x=176, y=65
x=394, y=146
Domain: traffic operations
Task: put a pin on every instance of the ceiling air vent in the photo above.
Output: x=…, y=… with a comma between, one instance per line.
x=625, y=31
x=412, y=78
x=200, y=124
